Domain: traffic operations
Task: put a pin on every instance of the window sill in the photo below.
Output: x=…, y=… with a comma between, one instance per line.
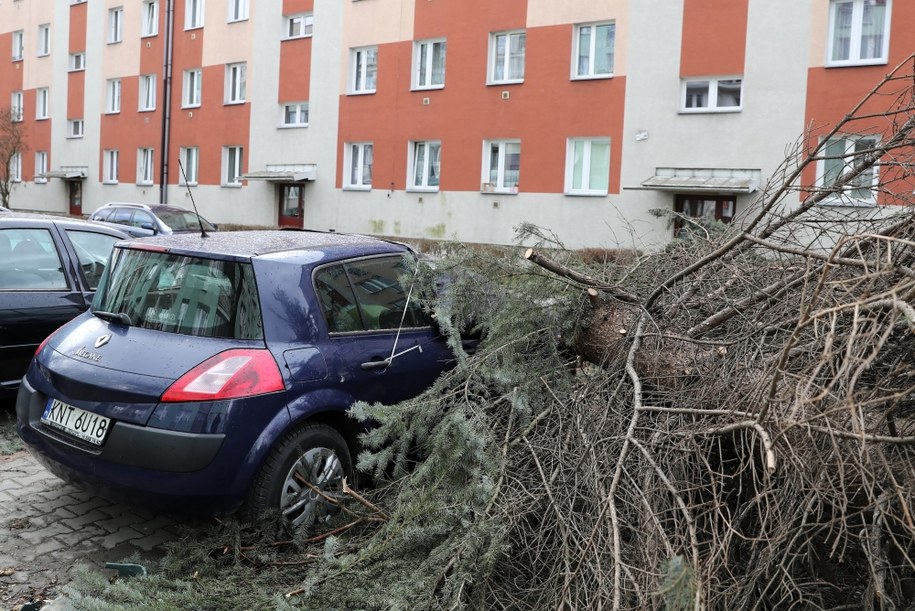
x=42, y=118
x=428, y=87
x=848, y=203
x=231, y=21
x=364, y=189
x=854, y=63
x=232, y=185
x=17, y=59
x=503, y=83
x=189, y=106
x=44, y=55
x=369, y=92
x=422, y=189
x=112, y=112
x=109, y=182
x=187, y=184
x=292, y=125
x=709, y=111
x=71, y=70
x=150, y=35
x=74, y=137
x=145, y=184
x=302, y=37
x=234, y=103
x=592, y=77
x=114, y=42
x=586, y=194
x=41, y=181
x=146, y=110
x=511, y=191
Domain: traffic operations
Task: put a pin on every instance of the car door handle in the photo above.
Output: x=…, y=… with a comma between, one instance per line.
x=380, y=364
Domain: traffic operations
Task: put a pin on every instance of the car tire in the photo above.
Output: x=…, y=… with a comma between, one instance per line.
x=316, y=454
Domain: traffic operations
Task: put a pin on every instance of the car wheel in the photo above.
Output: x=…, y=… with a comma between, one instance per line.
x=308, y=462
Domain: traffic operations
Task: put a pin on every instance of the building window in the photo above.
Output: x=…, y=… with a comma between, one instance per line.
x=44, y=39
x=113, y=96
x=236, y=76
x=149, y=26
x=16, y=167
x=188, y=159
x=144, y=166
x=588, y=166
x=193, y=14
x=115, y=24
x=193, y=83
x=41, y=166
x=859, y=32
x=429, y=64
x=298, y=26
x=238, y=10
x=77, y=62
x=147, y=92
x=501, y=166
x=41, y=103
x=506, y=57
x=358, y=165
x=704, y=209
x=425, y=165
x=840, y=155
x=231, y=163
x=18, y=45
x=364, y=70
x=110, y=167
x=594, y=50
x=712, y=95
x=75, y=128
x=295, y=114
x=16, y=102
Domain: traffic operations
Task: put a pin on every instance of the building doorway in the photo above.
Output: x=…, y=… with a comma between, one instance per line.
x=291, y=204
x=707, y=207
x=75, y=197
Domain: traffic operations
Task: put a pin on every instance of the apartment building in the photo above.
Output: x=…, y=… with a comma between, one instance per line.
x=448, y=119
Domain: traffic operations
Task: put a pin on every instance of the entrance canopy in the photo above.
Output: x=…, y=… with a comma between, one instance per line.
x=284, y=173
x=704, y=180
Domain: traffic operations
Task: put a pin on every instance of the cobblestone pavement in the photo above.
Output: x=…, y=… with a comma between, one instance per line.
x=47, y=527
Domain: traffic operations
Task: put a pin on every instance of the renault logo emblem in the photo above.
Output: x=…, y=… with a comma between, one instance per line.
x=102, y=340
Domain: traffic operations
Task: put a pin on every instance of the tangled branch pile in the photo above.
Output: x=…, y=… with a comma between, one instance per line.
x=727, y=424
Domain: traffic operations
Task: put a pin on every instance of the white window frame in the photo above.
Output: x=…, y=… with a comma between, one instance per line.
x=17, y=101
x=149, y=18
x=193, y=14
x=18, y=38
x=145, y=166
x=190, y=159
x=855, y=34
x=110, y=166
x=236, y=83
x=424, y=55
x=232, y=164
x=42, y=103
x=429, y=154
x=147, y=97
x=501, y=184
x=591, y=73
x=713, y=84
x=113, y=96
x=75, y=128
x=354, y=165
x=192, y=88
x=846, y=197
x=300, y=112
x=238, y=11
x=77, y=61
x=41, y=167
x=363, y=70
x=299, y=25
x=587, y=167
x=44, y=39
x=16, y=167
x=115, y=25
x=504, y=63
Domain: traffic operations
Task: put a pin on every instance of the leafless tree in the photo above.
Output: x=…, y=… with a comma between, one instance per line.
x=12, y=147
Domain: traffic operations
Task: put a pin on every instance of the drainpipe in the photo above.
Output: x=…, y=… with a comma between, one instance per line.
x=166, y=100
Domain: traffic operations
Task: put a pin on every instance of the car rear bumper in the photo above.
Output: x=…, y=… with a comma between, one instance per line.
x=171, y=470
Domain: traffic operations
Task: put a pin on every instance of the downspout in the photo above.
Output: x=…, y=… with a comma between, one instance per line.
x=166, y=100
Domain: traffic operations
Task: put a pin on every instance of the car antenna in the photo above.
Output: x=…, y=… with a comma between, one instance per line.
x=203, y=232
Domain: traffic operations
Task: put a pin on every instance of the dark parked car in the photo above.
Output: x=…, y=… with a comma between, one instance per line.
x=213, y=373
x=49, y=269
x=152, y=218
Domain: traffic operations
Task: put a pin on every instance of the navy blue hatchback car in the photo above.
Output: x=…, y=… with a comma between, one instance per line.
x=213, y=373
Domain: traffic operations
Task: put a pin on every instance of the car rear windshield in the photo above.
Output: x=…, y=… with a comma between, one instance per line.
x=180, y=220
x=182, y=294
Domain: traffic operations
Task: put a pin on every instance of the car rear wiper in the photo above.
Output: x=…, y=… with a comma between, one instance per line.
x=118, y=317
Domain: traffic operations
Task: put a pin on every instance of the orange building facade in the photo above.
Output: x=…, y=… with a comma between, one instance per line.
x=444, y=119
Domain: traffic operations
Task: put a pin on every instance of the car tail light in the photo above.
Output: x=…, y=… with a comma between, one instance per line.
x=45, y=341
x=228, y=375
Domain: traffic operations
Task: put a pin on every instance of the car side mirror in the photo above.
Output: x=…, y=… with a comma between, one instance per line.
x=151, y=226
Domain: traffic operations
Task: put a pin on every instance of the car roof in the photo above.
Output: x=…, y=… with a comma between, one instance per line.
x=152, y=207
x=275, y=244
x=15, y=218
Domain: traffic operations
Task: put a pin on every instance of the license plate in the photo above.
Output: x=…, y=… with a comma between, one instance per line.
x=75, y=421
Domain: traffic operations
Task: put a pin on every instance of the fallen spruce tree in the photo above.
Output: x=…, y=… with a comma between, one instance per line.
x=728, y=423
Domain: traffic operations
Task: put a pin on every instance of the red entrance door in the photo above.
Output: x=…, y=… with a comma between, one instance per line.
x=290, y=205
x=75, y=197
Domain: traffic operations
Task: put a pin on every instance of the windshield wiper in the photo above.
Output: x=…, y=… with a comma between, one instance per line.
x=118, y=317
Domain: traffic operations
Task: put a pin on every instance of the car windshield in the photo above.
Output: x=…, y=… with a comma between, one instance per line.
x=182, y=294
x=183, y=220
